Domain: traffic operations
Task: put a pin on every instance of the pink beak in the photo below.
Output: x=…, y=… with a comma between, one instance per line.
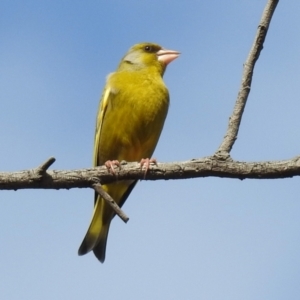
x=166, y=56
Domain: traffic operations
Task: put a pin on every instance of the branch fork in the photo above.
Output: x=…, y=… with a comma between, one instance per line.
x=220, y=164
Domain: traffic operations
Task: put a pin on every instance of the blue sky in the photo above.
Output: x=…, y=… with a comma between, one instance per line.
x=206, y=238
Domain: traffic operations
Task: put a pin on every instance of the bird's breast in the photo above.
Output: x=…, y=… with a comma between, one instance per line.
x=135, y=118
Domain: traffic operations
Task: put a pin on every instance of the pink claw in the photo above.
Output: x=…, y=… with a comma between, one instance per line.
x=110, y=165
x=147, y=162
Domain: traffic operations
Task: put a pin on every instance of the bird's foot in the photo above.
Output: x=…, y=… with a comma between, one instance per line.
x=146, y=162
x=111, y=164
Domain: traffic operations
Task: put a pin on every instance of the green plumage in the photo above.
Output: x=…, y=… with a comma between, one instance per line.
x=130, y=119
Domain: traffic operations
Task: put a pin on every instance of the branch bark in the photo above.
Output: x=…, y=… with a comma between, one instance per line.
x=211, y=166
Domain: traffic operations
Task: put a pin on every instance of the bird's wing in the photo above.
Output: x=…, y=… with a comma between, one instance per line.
x=100, y=117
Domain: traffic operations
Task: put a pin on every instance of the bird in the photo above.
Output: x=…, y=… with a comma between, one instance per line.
x=131, y=115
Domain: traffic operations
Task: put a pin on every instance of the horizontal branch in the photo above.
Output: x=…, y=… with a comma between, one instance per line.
x=204, y=167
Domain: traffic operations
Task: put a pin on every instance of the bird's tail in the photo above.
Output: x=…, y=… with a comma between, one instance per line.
x=96, y=236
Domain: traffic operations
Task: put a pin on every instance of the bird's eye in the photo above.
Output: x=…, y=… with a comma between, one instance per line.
x=148, y=48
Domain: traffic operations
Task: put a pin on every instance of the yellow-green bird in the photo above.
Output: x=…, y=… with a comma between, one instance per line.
x=130, y=119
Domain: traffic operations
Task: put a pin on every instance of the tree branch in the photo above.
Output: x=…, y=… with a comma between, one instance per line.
x=218, y=165
x=110, y=201
x=211, y=166
x=236, y=117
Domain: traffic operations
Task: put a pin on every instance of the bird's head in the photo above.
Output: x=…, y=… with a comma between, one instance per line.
x=145, y=55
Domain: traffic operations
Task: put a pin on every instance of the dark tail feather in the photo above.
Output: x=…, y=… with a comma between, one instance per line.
x=99, y=249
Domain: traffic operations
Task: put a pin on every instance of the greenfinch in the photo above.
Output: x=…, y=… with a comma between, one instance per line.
x=130, y=119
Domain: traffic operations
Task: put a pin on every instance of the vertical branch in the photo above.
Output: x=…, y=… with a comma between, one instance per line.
x=236, y=117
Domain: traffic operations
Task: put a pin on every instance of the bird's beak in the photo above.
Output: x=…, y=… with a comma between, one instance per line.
x=166, y=56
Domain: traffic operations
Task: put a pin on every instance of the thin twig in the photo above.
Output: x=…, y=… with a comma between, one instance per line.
x=110, y=201
x=236, y=117
x=41, y=170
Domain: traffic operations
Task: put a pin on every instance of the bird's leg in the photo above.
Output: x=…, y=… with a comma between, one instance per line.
x=147, y=162
x=110, y=165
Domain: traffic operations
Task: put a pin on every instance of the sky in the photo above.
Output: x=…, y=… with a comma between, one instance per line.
x=208, y=238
